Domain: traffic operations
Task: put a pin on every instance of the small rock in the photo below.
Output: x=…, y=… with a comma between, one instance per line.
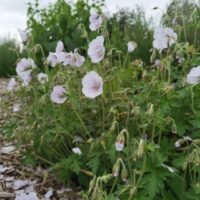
x=49, y=194
x=3, y=169
x=7, y=149
x=18, y=184
x=24, y=196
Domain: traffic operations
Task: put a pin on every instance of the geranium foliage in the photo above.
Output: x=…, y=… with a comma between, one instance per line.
x=119, y=128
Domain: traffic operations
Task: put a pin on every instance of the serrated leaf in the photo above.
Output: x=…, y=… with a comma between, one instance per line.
x=94, y=162
x=154, y=182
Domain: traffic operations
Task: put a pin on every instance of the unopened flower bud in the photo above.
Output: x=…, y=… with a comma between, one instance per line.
x=150, y=110
x=96, y=192
x=112, y=128
x=116, y=168
x=133, y=191
x=153, y=56
x=92, y=184
x=174, y=129
x=135, y=110
x=106, y=178
x=119, y=144
x=144, y=74
x=124, y=174
x=113, y=110
x=140, y=150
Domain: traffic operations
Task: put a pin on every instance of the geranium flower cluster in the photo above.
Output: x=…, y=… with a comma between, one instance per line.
x=92, y=82
x=24, y=69
x=164, y=38
x=73, y=59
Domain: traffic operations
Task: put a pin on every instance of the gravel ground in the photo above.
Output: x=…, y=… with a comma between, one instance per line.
x=3, y=85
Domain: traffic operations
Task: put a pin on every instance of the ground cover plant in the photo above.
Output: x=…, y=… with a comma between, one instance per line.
x=120, y=128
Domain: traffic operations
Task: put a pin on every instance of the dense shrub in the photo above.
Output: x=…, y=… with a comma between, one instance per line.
x=129, y=131
x=8, y=57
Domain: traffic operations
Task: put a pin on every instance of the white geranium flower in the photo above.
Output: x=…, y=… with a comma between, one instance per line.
x=160, y=44
x=42, y=78
x=58, y=95
x=65, y=58
x=95, y=20
x=171, y=35
x=24, y=69
x=26, y=78
x=160, y=39
x=96, y=49
x=12, y=84
x=131, y=46
x=60, y=47
x=25, y=65
x=119, y=145
x=193, y=77
x=164, y=38
x=77, y=59
x=92, y=85
x=23, y=35
x=72, y=59
x=77, y=150
x=53, y=59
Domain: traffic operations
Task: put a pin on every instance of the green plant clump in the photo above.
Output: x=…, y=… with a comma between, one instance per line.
x=8, y=57
x=120, y=129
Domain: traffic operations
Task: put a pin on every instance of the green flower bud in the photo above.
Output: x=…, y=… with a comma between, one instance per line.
x=92, y=184
x=124, y=174
x=116, y=168
x=150, y=109
x=140, y=150
x=135, y=111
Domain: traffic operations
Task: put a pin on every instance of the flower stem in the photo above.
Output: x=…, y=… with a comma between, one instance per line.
x=192, y=99
x=82, y=123
x=103, y=114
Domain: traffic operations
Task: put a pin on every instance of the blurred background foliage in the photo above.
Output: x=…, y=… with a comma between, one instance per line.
x=70, y=23
x=184, y=17
x=8, y=56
